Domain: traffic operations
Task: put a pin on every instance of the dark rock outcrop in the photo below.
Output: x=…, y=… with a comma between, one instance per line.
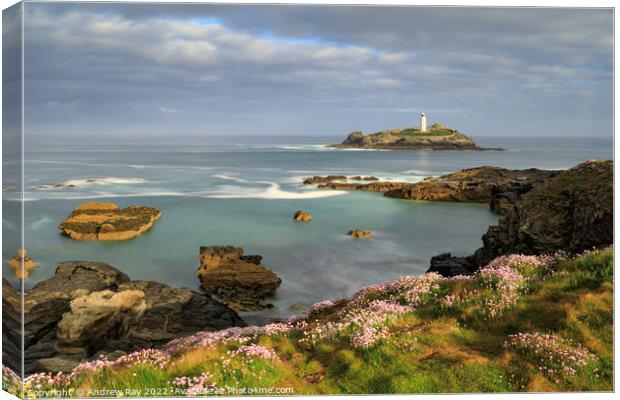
x=570, y=211
x=89, y=307
x=240, y=281
x=447, y=265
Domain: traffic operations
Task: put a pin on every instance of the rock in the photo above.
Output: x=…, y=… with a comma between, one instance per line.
x=302, y=216
x=105, y=221
x=17, y=261
x=57, y=364
x=89, y=307
x=449, y=266
x=364, y=178
x=438, y=137
x=241, y=284
x=572, y=211
x=474, y=185
x=98, y=314
x=316, y=180
x=323, y=179
x=360, y=234
x=497, y=186
x=298, y=307
x=369, y=187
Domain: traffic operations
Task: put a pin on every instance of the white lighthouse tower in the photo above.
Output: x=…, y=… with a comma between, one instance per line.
x=423, y=123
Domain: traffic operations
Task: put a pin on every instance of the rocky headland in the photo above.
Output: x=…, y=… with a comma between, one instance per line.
x=90, y=308
x=239, y=280
x=493, y=185
x=544, y=211
x=437, y=137
x=570, y=211
x=106, y=221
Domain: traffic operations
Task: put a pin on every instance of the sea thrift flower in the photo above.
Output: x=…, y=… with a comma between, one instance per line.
x=254, y=350
x=388, y=307
x=152, y=357
x=197, y=385
x=556, y=357
x=368, y=336
x=320, y=306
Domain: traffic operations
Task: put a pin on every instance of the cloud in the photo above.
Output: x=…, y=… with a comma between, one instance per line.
x=325, y=68
x=168, y=110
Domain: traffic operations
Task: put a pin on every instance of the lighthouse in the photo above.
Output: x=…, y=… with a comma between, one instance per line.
x=423, y=123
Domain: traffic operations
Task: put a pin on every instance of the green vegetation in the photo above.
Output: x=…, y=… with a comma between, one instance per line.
x=523, y=323
x=126, y=219
x=429, y=132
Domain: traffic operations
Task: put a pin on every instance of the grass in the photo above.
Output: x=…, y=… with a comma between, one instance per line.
x=126, y=219
x=443, y=341
x=430, y=132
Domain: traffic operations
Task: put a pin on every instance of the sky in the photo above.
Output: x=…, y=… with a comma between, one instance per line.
x=175, y=69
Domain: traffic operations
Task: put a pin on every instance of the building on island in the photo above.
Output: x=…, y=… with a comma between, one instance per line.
x=423, y=123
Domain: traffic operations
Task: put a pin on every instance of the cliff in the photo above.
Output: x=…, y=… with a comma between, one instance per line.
x=571, y=211
x=437, y=137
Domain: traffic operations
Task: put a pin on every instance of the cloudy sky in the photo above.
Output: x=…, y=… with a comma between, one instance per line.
x=315, y=70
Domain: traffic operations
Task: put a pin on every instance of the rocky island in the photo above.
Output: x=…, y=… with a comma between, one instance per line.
x=106, y=221
x=435, y=137
x=239, y=280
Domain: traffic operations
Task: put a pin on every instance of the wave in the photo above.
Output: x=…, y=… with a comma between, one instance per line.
x=322, y=147
x=273, y=192
x=420, y=172
x=76, y=183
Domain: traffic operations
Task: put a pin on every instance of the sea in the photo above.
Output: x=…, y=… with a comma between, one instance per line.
x=243, y=191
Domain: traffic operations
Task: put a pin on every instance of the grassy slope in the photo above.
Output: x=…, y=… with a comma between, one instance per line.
x=434, y=348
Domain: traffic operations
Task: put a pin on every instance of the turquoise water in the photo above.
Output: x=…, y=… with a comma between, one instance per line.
x=243, y=191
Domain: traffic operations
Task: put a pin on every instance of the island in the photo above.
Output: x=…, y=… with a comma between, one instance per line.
x=433, y=137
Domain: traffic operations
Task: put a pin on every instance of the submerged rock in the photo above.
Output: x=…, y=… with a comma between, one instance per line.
x=240, y=281
x=89, y=307
x=360, y=234
x=19, y=260
x=105, y=221
x=302, y=216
